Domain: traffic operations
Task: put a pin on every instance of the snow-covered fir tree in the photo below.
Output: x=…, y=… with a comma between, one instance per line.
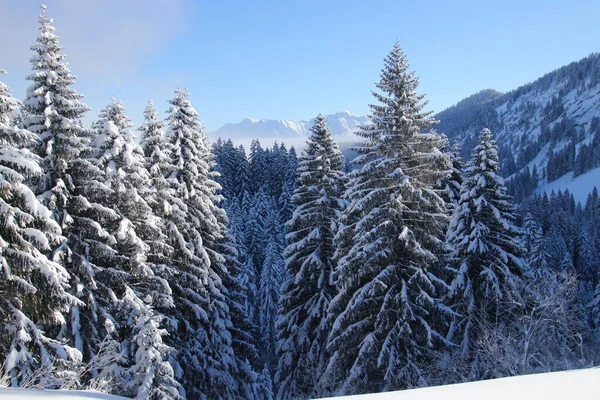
x=487, y=268
x=259, y=208
x=69, y=178
x=149, y=374
x=278, y=166
x=224, y=165
x=302, y=327
x=453, y=182
x=241, y=179
x=247, y=275
x=272, y=275
x=244, y=334
x=123, y=164
x=258, y=166
x=159, y=192
x=202, y=337
x=34, y=301
x=52, y=109
x=384, y=314
x=288, y=186
x=537, y=257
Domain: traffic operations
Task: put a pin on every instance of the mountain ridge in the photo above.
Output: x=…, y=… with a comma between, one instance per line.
x=545, y=129
x=342, y=124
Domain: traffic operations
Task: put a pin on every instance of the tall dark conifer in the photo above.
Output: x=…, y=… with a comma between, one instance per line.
x=302, y=327
x=487, y=267
x=202, y=338
x=389, y=241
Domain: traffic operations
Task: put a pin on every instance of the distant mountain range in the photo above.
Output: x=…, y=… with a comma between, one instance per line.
x=342, y=125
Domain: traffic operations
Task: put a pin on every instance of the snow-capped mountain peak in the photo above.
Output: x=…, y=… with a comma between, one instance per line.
x=342, y=124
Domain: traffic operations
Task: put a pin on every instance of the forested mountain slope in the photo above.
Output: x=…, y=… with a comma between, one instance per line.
x=548, y=130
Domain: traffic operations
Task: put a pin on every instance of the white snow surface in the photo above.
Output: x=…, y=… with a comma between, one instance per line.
x=27, y=394
x=583, y=384
x=580, y=186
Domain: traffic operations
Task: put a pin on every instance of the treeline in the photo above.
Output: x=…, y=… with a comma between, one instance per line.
x=164, y=268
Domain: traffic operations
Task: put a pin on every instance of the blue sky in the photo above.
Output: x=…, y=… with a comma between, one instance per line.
x=293, y=59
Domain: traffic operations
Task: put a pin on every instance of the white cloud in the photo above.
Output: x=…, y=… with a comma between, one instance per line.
x=111, y=46
x=107, y=40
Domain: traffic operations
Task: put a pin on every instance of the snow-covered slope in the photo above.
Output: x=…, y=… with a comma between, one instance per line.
x=534, y=122
x=342, y=124
x=581, y=384
x=30, y=394
x=579, y=186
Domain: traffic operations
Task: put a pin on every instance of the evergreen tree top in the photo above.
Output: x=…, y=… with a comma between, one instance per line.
x=47, y=39
x=188, y=136
x=154, y=143
x=485, y=155
x=322, y=153
x=152, y=125
x=398, y=114
x=398, y=86
x=50, y=96
x=113, y=133
x=182, y=113
x=114, y=112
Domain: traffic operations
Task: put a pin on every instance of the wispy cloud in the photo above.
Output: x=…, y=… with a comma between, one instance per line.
x=112, y=45
x=109, y=40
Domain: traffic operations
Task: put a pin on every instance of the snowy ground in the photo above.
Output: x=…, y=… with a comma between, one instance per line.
x=580, y=186
x=26, y=394
x=583, y=384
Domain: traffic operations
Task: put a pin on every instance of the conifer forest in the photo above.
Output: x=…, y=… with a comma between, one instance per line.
x=153, y=263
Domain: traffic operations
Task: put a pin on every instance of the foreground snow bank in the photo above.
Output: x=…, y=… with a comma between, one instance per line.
x=583, y=384
x=26, y=394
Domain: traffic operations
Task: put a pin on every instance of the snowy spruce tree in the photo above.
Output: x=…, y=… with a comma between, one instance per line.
x=149, y=375
x=534, y=243
x=241, y=173
x=202, y=337
x=123, y=164
x=247, y=275
x=272, y=275
x=34, y=301
x=453, y=182
x=258, y=167
x=159, y=193
x=288, y=186
x=244, y=334
x=302, y=327
x=66, y=186
x=52, y=109
x=384, y=316
x=486, y=266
